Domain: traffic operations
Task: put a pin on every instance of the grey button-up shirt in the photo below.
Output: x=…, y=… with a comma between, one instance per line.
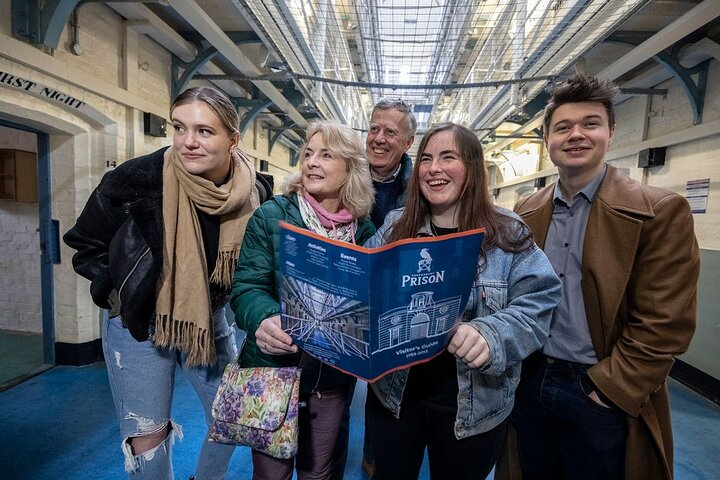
x=569, y=333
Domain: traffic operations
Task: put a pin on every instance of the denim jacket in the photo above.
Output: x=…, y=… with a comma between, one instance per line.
x=510, y=304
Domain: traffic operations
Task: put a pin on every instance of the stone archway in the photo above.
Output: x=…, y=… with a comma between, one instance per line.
x=77, y=148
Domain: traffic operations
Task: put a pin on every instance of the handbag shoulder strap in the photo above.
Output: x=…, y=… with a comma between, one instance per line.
x=304, y=359
x=241, y=343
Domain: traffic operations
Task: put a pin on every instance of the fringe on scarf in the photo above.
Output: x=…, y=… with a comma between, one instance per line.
x=225, y=267
x=186, y=337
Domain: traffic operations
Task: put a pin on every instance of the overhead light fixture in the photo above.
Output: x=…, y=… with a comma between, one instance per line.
x=276, y=67
x=306, y=107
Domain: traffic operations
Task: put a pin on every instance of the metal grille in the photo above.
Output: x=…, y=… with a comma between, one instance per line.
x=475, y=62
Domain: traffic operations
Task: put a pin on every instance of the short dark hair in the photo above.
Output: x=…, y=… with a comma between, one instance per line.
x=582, y=88
x=399, y=105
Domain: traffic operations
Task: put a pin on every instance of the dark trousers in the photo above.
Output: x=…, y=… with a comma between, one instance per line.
x=368, y=451
x=319, y=423
x=562, y=433
x=399, y=444
x=340, y=452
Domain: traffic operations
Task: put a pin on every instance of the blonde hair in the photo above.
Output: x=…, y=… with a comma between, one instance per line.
x=357, y=193
x=216, y=100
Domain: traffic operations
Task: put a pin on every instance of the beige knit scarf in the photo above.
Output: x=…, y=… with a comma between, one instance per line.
x=183, y=311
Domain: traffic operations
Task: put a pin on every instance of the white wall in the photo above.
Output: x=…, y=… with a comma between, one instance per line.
x=120, y=75
x=20, y=300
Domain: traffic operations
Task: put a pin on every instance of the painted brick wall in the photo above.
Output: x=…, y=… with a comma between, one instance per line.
x=80, y=149
x=20, y=296
x=99, y=33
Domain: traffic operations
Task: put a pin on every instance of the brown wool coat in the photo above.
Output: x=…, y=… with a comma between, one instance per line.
x=640, y=269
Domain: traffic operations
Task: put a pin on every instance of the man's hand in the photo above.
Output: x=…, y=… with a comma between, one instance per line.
x=469, y=346
x=272, y=340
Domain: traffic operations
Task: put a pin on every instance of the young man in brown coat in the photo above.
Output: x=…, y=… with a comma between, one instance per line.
x=593, y=404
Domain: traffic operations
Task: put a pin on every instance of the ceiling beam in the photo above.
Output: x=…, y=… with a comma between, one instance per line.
x=700, y=15
x=156, y=28
x=144, y=21
x=683, y=26
x=200, y=21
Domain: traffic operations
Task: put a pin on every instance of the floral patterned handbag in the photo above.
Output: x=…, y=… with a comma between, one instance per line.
x=258, y=407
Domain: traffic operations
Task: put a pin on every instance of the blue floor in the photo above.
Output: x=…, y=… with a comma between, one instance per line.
x=61, y=424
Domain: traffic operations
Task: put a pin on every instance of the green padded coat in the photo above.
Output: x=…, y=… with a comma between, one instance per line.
x=255, y=293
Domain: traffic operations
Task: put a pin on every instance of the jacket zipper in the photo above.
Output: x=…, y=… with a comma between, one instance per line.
x=137, y=262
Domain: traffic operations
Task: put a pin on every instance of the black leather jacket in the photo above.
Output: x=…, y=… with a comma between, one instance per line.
x=118, y=238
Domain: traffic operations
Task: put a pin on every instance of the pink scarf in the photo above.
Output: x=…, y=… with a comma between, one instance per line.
x=327, y=219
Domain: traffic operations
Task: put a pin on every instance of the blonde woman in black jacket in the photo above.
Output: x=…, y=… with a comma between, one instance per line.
x=159, y=239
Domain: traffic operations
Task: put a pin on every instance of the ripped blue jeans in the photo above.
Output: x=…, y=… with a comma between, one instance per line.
x=142, y=378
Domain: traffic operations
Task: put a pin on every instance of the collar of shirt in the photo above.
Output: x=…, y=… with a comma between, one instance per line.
x=390, y=178
x=588, y=191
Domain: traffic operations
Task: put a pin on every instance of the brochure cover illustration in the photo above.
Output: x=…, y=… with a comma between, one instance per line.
x=371, y=311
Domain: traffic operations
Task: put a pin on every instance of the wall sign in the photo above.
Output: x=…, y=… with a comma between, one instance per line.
x=696, y=192
x=51, y=95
